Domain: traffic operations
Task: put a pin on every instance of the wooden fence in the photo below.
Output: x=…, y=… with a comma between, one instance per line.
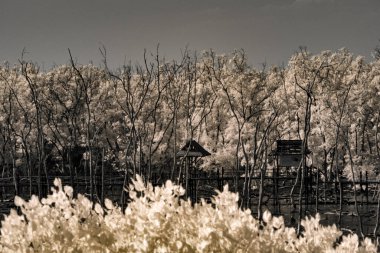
x=280, y=193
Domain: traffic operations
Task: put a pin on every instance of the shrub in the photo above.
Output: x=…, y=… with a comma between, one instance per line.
x=157, y=219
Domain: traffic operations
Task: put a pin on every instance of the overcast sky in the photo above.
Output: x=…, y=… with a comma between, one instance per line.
x=268, y=30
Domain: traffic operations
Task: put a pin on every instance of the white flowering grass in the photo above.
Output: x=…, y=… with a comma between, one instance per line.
x=158, y=220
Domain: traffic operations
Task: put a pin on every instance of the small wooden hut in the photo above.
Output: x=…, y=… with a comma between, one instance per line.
x=190, y=152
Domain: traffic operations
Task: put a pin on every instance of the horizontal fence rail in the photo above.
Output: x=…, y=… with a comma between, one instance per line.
x=279, y=193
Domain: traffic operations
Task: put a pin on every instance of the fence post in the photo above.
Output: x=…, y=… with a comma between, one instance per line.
x=219, y=182
x=102, y=178
x=317, y=191
x=222, y=180
x=361, y=186
x=366, y=186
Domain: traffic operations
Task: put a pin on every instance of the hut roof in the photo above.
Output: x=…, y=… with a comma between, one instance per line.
x=290, y=147
x=192, y=149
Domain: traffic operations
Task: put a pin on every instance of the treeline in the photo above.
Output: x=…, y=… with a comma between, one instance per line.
x=137, y=117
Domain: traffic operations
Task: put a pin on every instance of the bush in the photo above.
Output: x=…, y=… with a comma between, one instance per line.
x=158, y=220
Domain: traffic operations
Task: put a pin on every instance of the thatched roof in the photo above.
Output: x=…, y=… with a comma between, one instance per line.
x=192, y=149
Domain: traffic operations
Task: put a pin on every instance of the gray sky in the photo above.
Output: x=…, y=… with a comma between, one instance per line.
x=268, y=30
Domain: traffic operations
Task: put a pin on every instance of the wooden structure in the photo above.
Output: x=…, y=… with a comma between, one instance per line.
x=190, y=152
x=289, y=155
x=192, y=149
